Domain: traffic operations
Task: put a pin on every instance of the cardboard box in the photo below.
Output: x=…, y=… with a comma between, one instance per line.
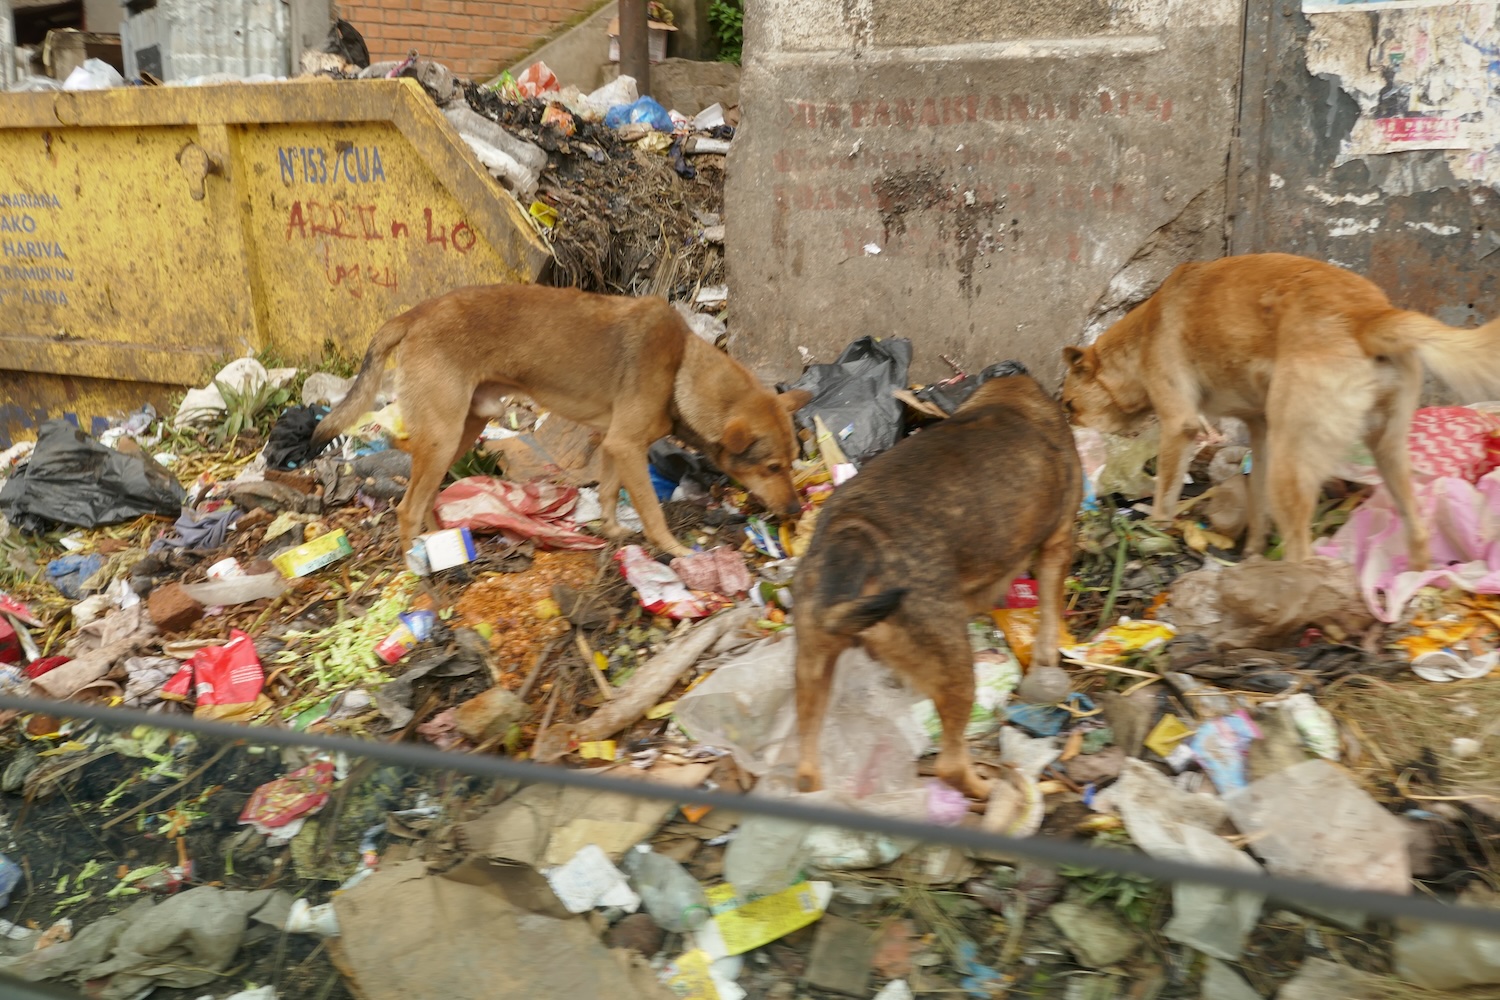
x=309, y=557
x=441, y=550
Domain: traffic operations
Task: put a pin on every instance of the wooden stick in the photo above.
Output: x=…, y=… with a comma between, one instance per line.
x=196, y=773
x=647, y=685
x=588, y=661
x=536, y=668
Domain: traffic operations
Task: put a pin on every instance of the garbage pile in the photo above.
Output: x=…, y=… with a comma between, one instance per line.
x=628, y=194
x=1329, y=720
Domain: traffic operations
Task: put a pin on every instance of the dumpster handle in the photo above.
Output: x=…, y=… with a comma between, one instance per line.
x=197, y=163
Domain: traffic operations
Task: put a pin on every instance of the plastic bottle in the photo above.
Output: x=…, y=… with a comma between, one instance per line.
x=672, y=897
x=766, y=855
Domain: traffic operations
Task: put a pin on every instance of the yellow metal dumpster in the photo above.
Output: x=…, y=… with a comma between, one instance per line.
x=149, y=234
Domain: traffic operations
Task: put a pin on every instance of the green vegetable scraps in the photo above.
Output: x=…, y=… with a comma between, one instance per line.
x=342, y=656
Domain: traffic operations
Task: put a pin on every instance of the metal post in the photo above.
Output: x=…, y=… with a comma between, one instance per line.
x=635, y=53
x=7, y=46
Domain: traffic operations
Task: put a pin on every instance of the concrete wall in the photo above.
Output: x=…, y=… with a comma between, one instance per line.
x=992, y=180
x=102, y=16
x=578, y=53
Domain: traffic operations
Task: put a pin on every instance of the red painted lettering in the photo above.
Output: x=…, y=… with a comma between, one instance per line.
x=295, y=221
x=367, y=222
x=463, y=237
x=441, y=237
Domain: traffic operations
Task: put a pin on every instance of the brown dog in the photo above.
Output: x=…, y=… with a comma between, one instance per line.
x=928, y=535
x=1312, y=357
x=629, y=367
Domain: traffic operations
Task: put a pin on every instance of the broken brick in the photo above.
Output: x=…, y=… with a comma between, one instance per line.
x=172, y=610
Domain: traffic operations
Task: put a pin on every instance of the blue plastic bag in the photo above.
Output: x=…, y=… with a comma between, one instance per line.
x=10, y=877
x=69, y=573
x=643, y=110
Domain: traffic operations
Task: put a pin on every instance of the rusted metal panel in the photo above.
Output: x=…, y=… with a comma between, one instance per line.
x=1411, y=221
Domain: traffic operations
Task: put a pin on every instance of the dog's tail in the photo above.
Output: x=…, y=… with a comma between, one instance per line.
x=1466, y=359
x=361, y=395
x=848, y=567
x=851, y=617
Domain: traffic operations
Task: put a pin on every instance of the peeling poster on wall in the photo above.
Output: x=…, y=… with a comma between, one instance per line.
x=1344, y=6
x=1431, y=80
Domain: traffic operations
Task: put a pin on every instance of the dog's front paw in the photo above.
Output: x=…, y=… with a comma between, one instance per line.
x=809, y=780
x=615, y=531
x=967, y=780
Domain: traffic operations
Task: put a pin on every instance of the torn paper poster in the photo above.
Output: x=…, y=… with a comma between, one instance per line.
x=1427, y=82
x=1344, y=6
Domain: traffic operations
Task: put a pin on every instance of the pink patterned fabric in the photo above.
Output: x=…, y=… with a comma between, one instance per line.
x=1464, y=519
x=1444, y=441
x=540, y=511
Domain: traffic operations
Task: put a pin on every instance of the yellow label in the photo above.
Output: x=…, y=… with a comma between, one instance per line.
x=597, y=750
x=1166, y=734
x=746, y=926
x=313, y=555
x=688, y=977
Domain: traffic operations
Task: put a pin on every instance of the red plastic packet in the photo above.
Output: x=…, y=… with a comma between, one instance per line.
x=179, y=686
x=227, y=680
x=15, y=609
x=536, y=80
x=10, y=643
x=37, y=668
x=1022, y=593
x=277, y=803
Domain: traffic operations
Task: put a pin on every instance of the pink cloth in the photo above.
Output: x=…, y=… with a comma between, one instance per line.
x=1464, y=519
x=660, y=590
x=539, y=511
x=1443, y=441
x=720, y=570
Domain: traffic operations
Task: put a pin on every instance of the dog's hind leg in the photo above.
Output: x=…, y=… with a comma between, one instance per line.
x=1256, y=500
x=1306, y=440
x=817, y=654
x=1388, y=442
x=473, y=427
x=1052, y=563
x=930, y=648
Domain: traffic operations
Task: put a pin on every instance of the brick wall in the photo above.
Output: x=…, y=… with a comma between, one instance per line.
x=473, y=38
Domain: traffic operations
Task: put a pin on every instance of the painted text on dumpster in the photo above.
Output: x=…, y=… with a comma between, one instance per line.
x=34, y=267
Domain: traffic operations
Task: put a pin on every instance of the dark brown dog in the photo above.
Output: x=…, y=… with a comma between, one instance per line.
x=928, y=535
x=629, y=367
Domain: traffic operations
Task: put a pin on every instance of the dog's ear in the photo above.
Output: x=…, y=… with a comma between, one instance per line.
x=1077, y=360
x=737, y=437
x=794, y=399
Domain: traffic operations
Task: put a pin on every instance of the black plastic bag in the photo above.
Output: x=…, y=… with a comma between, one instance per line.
x=854, y=396
x=289, y=445
x=71, y=479
x=950, y=397
x=673, y=466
